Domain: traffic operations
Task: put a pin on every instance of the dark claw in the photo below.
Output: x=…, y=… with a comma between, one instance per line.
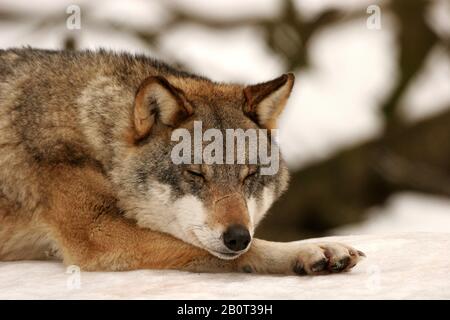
x=351, y=266
x=299, y=269
x=341, y=264
x=319, y=265
x=247, y=269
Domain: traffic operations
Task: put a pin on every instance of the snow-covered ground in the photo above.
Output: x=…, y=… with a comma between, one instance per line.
x=398, y=266
x=405, y=212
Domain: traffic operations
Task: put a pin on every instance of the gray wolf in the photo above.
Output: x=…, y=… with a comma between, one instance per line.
x=86, y=176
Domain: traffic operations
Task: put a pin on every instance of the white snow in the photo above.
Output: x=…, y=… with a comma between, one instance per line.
x=430, y=90
x=405, y=212
x=226, y=9
x=398, y=266
x=335, y=102
x=228, y=56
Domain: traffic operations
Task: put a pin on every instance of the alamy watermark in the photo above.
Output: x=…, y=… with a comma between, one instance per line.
x=373, y=282
x=373, y=22
x=73, y=281
x=73, y=21
x=236, y=147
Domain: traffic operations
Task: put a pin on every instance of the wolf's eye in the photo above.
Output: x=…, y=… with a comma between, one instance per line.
x=195, y=175
x=251, y=174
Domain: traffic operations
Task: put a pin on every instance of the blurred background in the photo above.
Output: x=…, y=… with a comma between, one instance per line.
x=366, y=132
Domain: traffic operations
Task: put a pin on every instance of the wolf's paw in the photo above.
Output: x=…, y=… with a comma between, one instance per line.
x=324, y=258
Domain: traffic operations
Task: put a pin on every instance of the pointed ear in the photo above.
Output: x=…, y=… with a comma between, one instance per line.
x=265, y=101
x=157, y=100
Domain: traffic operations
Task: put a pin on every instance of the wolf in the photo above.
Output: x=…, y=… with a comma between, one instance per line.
x=86, y=175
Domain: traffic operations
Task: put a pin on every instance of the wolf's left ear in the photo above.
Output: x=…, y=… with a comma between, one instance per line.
x=265, y=101
x=157, y=100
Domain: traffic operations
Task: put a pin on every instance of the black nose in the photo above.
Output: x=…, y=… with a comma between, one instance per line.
x=236, y=237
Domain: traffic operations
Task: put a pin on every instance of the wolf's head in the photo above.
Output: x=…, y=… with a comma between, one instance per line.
x=213, y=205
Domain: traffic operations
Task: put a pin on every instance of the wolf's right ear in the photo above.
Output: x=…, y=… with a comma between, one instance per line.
x=265, y=101
x=157, y=100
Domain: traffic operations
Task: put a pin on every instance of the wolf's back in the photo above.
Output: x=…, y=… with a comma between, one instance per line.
x=47, y=100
